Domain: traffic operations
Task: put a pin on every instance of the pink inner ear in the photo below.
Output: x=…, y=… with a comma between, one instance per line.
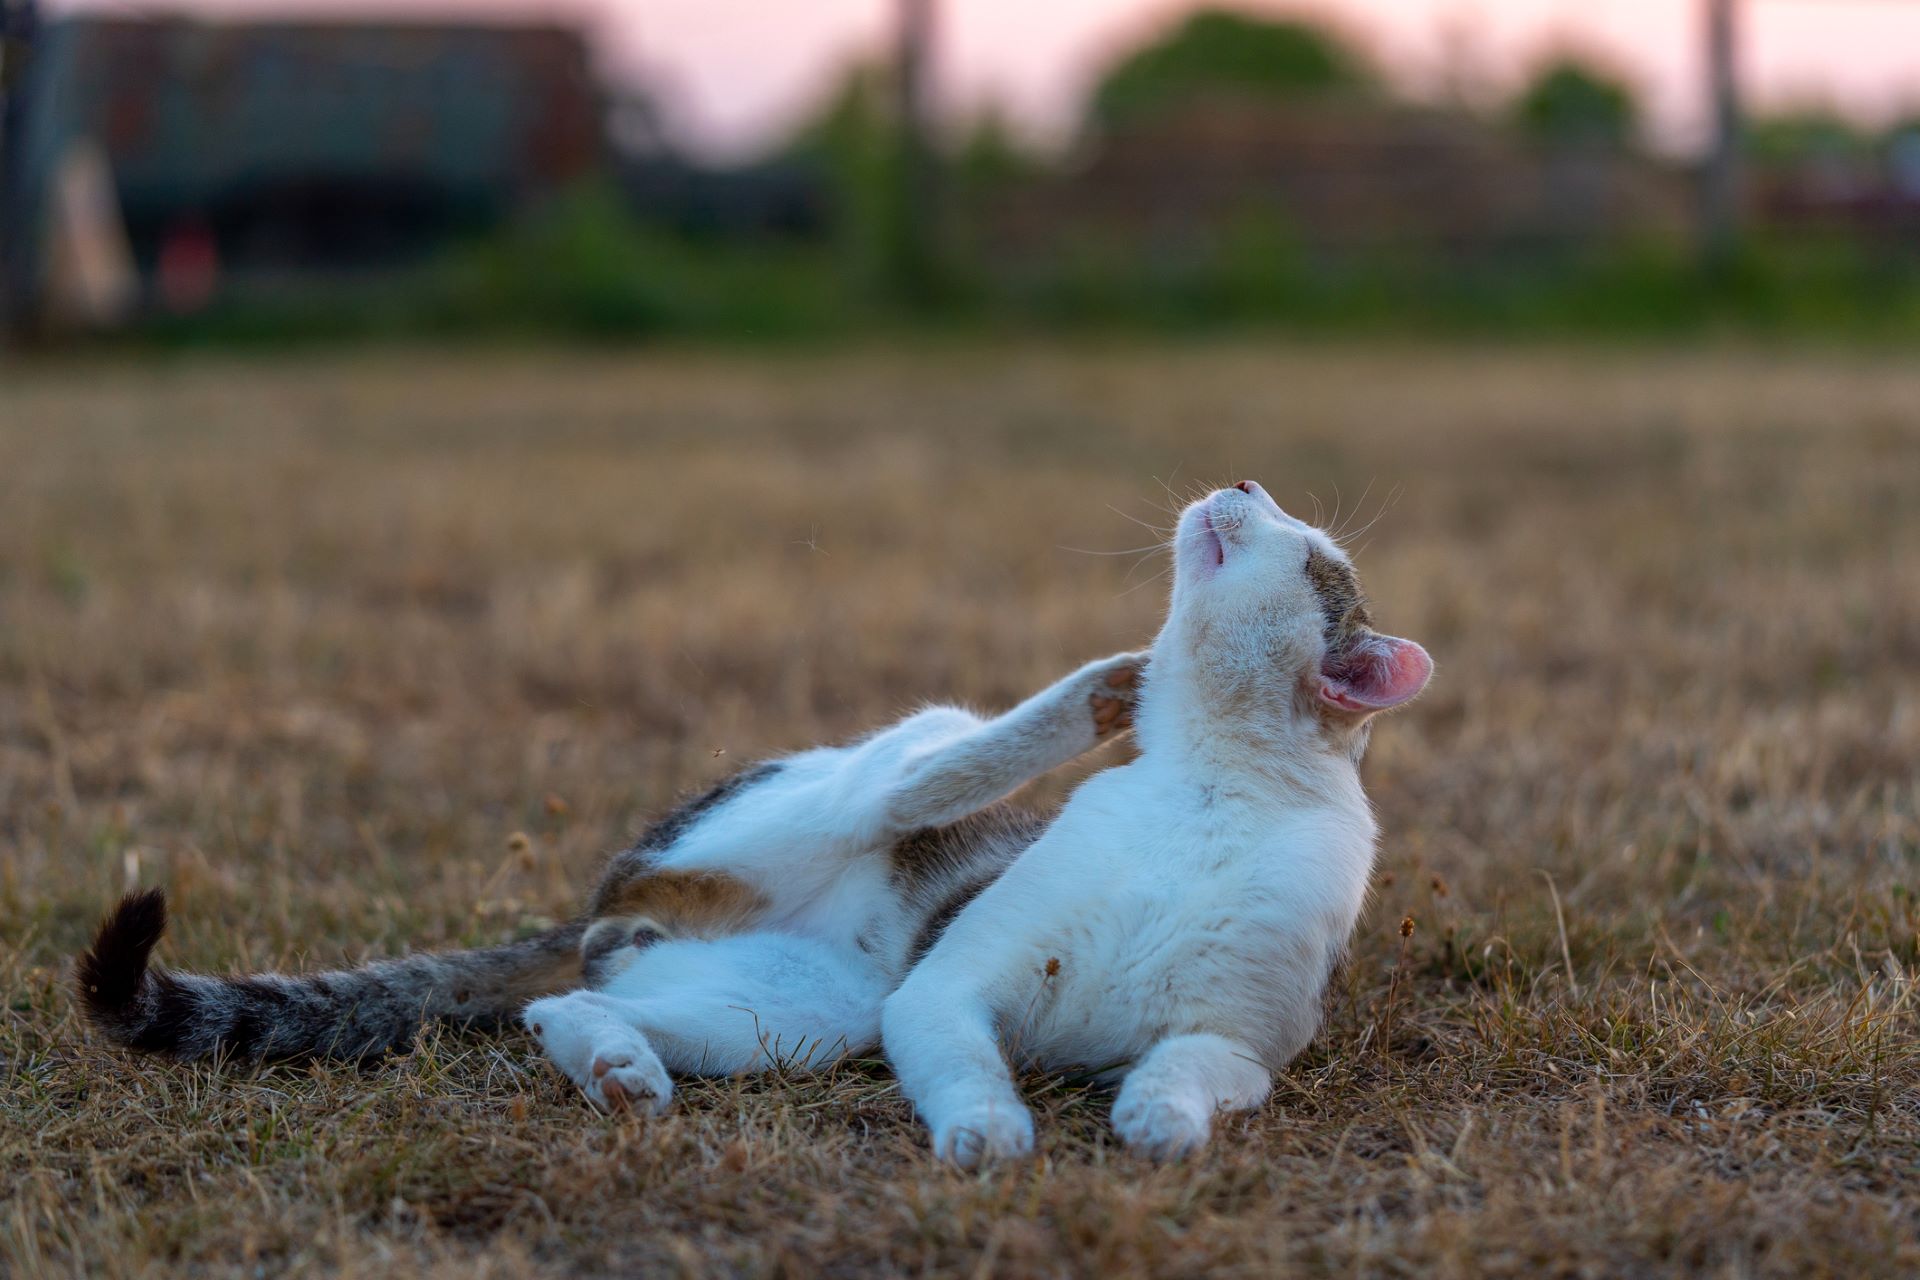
x=1377, y=673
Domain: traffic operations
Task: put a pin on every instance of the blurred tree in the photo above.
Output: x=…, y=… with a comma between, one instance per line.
x=852, y=141
x=1573, y=102
x=991, y=154
x=884, y=175
x=1219, y=50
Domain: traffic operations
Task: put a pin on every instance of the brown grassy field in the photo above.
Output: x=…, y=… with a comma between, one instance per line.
x=309, y=641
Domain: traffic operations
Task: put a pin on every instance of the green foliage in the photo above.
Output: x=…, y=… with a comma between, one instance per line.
x=586, y=268
x=572, y=275
x=1219, y=51
x=579, y=268
x=583, y=269
x=853, y=142
x=1572, y=102
x=1258, y=275
x=1805, y=134
x=991, y=156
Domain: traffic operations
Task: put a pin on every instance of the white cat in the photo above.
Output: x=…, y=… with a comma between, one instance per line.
x=1175, y=925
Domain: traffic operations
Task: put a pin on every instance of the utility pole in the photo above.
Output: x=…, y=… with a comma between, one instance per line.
x=917, y=198
x=19, y=25
x=1721, y=202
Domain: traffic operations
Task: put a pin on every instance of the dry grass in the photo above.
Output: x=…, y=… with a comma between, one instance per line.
x=307, y=643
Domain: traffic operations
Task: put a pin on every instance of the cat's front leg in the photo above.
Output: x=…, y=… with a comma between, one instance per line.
x=968, y=772
x=943, y=1049
x=606, y=1055
x=1166, y=1105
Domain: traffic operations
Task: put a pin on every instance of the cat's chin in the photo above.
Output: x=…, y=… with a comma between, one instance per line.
x=1206, y=550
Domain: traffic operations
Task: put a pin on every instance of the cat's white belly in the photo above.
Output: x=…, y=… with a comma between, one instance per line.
x=1110, y=936
x=1154, y=961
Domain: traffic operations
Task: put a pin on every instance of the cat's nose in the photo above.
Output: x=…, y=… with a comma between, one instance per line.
x=1246, y=486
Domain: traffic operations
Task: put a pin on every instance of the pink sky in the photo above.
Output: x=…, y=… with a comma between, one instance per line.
x=734, y=70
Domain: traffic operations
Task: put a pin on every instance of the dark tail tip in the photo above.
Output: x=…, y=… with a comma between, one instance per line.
x=110, y=975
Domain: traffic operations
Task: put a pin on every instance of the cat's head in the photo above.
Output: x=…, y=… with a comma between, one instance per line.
x=1268, y=623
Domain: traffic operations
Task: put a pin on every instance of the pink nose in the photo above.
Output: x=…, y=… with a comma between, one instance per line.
x=1246, y=486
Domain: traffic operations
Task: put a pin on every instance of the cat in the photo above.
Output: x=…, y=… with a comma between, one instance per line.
x=1175, y=926
x=762, y=922
x=1178, y=919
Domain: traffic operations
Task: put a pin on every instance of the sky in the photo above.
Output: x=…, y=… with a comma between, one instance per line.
x=733, y=74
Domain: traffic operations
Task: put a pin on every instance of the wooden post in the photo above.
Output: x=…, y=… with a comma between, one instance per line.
x=1721, y=195
x=917, y=205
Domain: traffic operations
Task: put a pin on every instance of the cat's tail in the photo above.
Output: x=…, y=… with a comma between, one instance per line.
x=347, y=1014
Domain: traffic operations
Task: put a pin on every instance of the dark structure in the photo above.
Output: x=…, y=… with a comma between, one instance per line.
x=19, y=27
x=271, y=148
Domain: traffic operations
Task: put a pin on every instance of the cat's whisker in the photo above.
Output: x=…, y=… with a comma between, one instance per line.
x=1125, y=551
x=1171, y=545
x=1157, y=530
x=1167, y=484
x=1386, y=504
x=1135, y=566
x=1358, y=506
x=1144, y=582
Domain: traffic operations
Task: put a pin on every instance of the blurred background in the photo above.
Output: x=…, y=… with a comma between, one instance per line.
x=258, y=170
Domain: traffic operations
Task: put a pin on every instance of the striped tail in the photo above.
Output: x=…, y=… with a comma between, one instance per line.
x=346, y=1014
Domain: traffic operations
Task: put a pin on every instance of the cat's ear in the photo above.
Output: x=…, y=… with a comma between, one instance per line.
x=1374, y=673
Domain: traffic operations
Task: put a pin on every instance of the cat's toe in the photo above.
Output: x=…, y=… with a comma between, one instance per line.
x=629, y=1082
x=982, y=1135
x=1113, y=686
x=1162, y=1128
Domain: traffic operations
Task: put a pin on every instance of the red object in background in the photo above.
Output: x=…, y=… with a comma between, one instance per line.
x=188, y=270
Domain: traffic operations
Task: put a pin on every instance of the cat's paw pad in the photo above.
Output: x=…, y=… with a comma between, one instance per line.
x=622, y=1080
x=1113, y=686
x=1162, y=1128
x=974, y=1136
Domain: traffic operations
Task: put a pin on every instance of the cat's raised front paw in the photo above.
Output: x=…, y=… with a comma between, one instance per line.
x=1113, y=686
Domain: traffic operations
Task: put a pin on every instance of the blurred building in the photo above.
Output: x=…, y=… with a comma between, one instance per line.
x=1342, y=178
x=199, y=153
x=1859, y=189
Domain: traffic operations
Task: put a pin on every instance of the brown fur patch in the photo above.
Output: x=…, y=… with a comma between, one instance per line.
x=934, y=853
x=685, y=904
x=630, y=866
x=1342, y=603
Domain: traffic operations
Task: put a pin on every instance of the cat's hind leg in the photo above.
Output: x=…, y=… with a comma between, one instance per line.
x=595, y=1045
x=1166, y=1105
x=728, y=1006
